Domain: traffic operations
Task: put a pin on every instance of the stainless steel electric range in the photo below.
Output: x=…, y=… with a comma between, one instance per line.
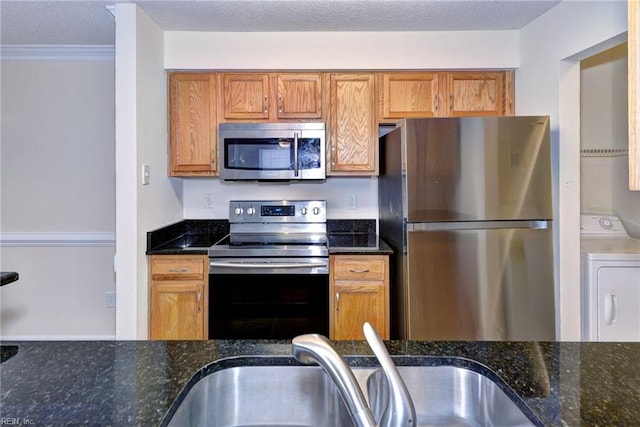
x=269, y=278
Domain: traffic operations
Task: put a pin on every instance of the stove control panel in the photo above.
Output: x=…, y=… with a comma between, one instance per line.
x=278, y=211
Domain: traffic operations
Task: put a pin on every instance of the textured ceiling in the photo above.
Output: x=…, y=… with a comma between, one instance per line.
x=89, y=22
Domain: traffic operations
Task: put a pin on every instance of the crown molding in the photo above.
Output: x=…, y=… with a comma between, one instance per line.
x=45, y=52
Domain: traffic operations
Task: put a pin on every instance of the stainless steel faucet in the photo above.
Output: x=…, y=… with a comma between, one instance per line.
x=314, y=348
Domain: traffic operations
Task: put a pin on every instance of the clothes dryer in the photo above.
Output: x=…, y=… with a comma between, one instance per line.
x=610, y=293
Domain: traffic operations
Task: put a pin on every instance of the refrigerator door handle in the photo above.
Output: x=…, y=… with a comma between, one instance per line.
x=478, y=225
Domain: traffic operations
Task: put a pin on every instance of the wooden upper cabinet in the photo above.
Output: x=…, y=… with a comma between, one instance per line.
x=351, y=104
x=407, y=95
x=353, y=126
x=246, y=95
x=444, y=94
x=299, y=96
x=192, y=124
x=271, y=96
x=475, y=94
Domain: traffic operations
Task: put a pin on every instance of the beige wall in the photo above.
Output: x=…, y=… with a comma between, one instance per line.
x=604, y=179
x=548, y=82
x=141, y=139
x=57, y=146
x=326, y=51
x=57, y=198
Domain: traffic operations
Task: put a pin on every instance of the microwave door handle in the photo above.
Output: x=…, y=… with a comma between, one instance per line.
x=295, y=154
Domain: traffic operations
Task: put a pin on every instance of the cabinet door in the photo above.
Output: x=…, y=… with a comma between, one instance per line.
x=473, y=94
x=299, y=96
x=246, y=96
x=359, y=293
x=177, y=310
x=192, y=123
x=356, y=303
x=408, y=95
x=353, y=137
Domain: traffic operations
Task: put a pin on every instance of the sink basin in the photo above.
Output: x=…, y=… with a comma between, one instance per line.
x=293, y=395
x=452, y=396
x=264, y=396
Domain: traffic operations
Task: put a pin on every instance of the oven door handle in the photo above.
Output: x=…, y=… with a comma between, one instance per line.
x=233, y=264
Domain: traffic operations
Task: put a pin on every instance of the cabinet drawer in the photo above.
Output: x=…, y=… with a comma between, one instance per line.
x=177, y=268
x=353, y=268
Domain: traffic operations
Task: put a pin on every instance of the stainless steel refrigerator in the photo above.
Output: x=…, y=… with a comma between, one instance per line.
x=466, y=205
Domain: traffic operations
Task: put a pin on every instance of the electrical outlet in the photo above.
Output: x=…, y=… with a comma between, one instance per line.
x=110, y=298
x=208, y=201
x=352, y=202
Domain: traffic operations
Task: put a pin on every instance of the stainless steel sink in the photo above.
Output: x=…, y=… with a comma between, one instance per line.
x=451, y=396
x=264, y=396
x=294, y=395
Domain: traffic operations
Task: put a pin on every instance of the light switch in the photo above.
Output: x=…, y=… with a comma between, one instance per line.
x=146, y=174
x=352, y=202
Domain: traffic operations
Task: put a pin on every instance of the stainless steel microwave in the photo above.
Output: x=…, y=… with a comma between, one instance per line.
x=271, y=151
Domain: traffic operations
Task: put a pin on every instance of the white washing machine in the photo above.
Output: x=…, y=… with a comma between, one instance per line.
x=610, y=280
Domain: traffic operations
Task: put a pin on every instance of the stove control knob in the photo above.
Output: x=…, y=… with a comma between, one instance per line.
x=303, y=211
x=251, y=211
x=316, y=210
x=238, y=211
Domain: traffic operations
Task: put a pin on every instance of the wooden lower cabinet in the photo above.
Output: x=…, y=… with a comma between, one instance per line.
x=178, y=297
x=359, y=286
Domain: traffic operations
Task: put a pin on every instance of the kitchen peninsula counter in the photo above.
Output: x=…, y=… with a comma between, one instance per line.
x=7, y=277
x=135, y=382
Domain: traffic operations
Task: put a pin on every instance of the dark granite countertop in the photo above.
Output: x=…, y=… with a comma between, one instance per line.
x=7, y=277
x=134, y=382
x=357, y=244
x=189, y=236
x=194, y=237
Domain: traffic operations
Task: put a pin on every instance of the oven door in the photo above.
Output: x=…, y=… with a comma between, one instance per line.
x=268, y=298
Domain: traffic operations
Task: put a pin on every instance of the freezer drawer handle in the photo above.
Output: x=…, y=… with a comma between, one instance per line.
x=610, y=308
